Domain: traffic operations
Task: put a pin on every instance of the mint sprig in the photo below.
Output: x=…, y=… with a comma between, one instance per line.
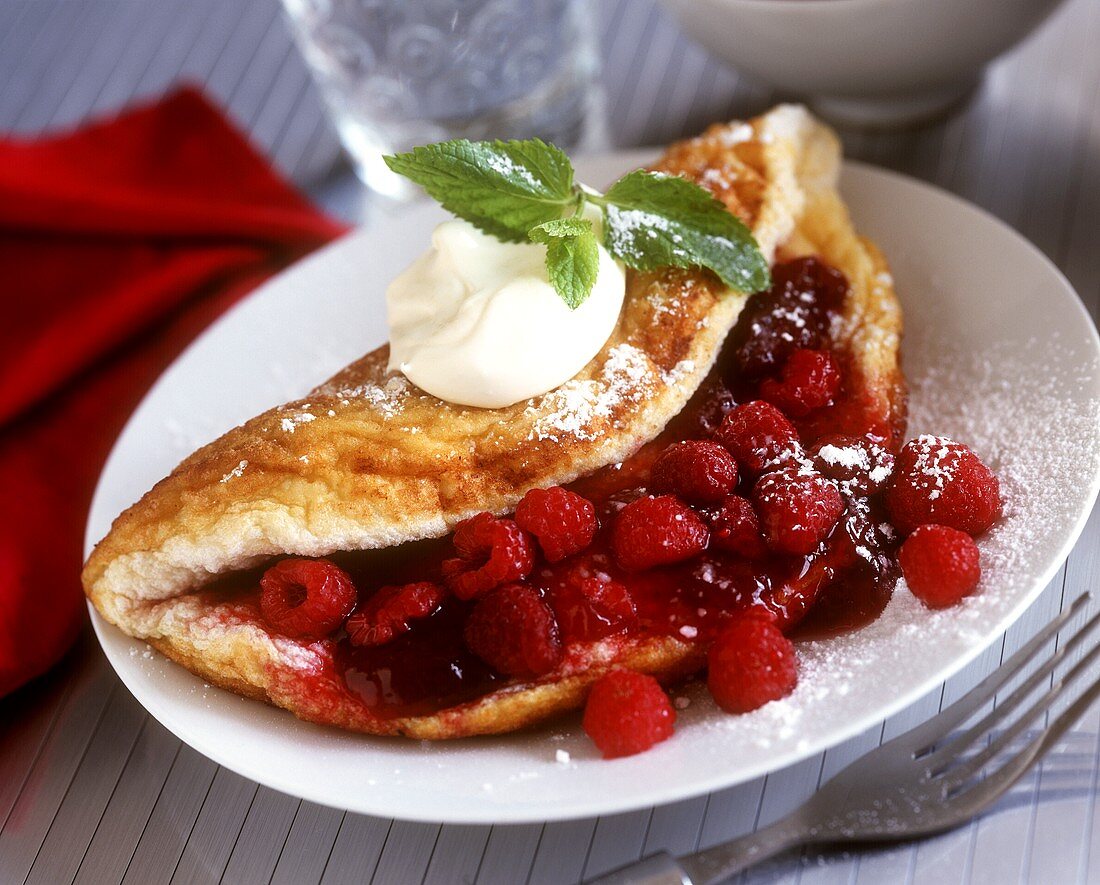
x=525, y=190
x=572, y=257
x=505, y=188
x=655, y=220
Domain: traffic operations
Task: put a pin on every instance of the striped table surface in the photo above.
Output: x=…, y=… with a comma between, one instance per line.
x=93, y=790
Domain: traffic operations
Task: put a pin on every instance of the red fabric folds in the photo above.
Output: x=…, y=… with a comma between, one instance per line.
x=118, y=244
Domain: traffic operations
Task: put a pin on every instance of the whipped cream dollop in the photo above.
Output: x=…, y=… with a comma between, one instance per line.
x=475, y=321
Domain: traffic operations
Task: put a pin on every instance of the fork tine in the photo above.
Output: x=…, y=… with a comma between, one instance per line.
x=972, y=766
x=956, y=714
x=1002, y=710
x=992, y=787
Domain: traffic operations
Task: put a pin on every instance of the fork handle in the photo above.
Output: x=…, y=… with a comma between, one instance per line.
x=656, y=869
x=726, y=859
x=712, y=865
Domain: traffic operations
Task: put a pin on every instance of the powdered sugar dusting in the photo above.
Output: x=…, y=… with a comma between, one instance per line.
x=235, y=472
x=293, y=422
x=577, y=405
x=387, y=398
x=503, y=166
x=845, y=456
x=631, y=224
x=1017, y=417
x=736, y=133
x=680, y=371
x=1040, y=442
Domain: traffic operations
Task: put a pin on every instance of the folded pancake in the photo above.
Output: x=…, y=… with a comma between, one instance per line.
x=368, y=461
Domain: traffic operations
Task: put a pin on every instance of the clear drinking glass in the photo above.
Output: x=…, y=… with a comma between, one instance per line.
x=397, y=73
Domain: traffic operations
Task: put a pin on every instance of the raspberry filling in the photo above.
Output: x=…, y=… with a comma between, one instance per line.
x=767, y=496
x=627, y=713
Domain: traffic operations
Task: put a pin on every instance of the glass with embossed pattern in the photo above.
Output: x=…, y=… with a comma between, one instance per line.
x=398, y=73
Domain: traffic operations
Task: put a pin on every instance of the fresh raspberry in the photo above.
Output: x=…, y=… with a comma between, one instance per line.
x=810, y=380
x=513, y=630
x=657, y=531
x=699, y=472
x=750, y=663
x=306, y=598
x=491, y=552
x=627, y=713
x=861, y=465
x=563, y=521
x=759, y=436
x=735, y=528
x=793, y=314
x=391, y=611
x=938, y=480
x=590, y=605
x=797, y=507
x=940, y=564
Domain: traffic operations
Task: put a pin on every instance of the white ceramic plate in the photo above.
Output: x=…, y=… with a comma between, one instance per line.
x=999, y=353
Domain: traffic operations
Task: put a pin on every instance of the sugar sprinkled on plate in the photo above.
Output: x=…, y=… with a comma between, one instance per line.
x=1021, y=424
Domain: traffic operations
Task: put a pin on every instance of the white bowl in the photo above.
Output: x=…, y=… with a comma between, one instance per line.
x=864, y=62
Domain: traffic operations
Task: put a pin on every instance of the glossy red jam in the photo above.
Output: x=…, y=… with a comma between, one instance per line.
x=844, y=583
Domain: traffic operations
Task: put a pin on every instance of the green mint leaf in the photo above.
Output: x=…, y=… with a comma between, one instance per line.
x=503, y=187
x=572, y=257
x=548, y=231
x=656, y=220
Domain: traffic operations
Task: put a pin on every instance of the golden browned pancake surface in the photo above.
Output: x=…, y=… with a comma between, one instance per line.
x=368, y=461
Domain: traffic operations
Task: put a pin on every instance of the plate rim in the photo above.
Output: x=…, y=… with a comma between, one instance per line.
x=169, y=717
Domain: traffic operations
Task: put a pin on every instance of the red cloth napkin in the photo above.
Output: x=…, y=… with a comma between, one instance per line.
x=118, y=244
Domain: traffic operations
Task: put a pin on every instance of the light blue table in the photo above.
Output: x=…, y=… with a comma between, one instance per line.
x=93, y=790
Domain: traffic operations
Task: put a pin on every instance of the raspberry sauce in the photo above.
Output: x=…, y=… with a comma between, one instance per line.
x=843, y=583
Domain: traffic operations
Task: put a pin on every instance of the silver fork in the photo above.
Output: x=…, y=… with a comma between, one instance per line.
x=926, y=781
